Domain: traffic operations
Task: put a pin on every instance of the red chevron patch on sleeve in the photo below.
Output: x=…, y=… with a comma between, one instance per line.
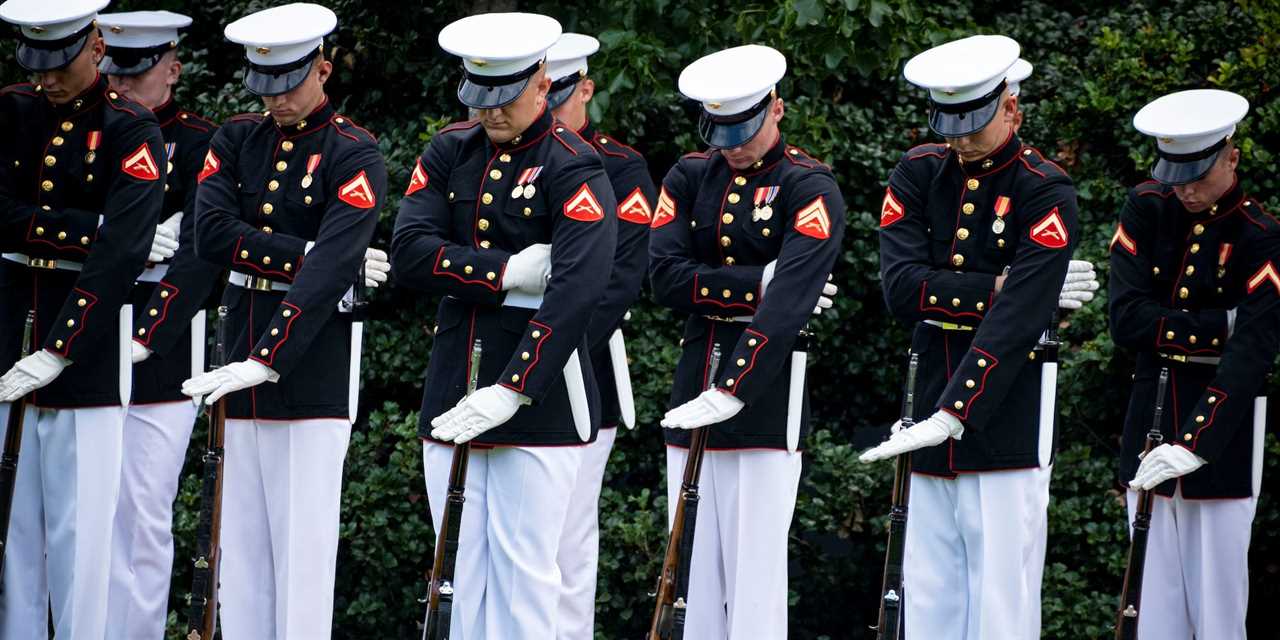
x=635, y=208
x=419, y=180
x=892, y=210
x=211, y=166
x=583, y=206
x=1122, y=238
x=358, y=193
x=666, y=211
x=1267, y=273
x=140, y=164
x=813, y=221
x=1050, y=232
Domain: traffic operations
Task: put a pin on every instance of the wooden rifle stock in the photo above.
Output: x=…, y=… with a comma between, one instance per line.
x=1131, y=596
x=889, y=623
x=439, y=617
x=673, y=582
x=13, y=447
x=202, y=612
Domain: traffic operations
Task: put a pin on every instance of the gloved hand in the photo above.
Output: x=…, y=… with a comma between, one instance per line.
x=710, y=407
x=138, y=352
x=376, y=267
x=31, y=373
x=528, y=269
x=935, y=430
x=477, y=413
x=233, y=377
x=1079, y=285
x=825, y=299
x=165, y=243
x=1165, y=462
x=1231, y=321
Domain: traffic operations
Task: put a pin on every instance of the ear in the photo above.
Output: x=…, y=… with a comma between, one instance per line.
x=586, y=89
x=175, y=73
x=1011, y=109
x=778, y=109
x=323, y=70
x=97, y=47
x=1233, y=158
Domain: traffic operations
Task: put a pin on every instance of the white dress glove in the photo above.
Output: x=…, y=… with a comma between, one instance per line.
x=528, y=269
x=1079, y=285
x=1231, y=322
x=138, y=352
x=928, y=433
x=376, y=267
x=31, y=373
x=826, y=298
x=1165, y=462
x=477, y=413
x=710, y=407
x=165, y=243
x=233, y=377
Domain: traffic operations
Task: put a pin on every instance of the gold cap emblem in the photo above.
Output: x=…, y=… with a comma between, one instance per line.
x=264, y=50
x=117, y=29
x=479, y=63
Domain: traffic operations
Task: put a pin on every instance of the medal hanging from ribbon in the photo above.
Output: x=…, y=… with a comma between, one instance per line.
x=524, y=184
x=170, y=148
x=94, y=141
x=1224, y=254
x=1003, y=206
x=313, y=162
x=763, y=200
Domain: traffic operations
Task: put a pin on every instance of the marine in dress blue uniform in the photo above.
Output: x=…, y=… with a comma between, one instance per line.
x=976, y=238
x=743, y=239
x=81, y=189
x=288, y=201
x=142, y=64
x=1194, y=289
x=511, y=217
x=571, y=91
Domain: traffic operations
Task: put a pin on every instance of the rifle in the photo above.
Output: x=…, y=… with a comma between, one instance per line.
x=673, y=582
x=889, y=625
x=440, y=597
x=202, y=614
x=1131, y=596
x=12, y=447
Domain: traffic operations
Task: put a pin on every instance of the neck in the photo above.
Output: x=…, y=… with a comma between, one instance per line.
x=576, y=119
x=164, y=99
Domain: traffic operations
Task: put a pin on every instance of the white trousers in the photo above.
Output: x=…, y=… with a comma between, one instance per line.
x=1196, y=580
x=580, y=544
x=64, y=500
x=281, y=495
x=975, y=555
x=506, y=582
x=738, y=573
x=155, y=444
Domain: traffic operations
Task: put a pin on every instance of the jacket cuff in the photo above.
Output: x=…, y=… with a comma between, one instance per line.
x=470, y=267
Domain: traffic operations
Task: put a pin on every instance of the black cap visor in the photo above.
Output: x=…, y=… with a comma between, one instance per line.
x=965, y=118
x=561, y=90
x=38, y=56
x=1180, y=169
x=123, y=61
x=730, y=132
x=493, y=92
x=280, y=79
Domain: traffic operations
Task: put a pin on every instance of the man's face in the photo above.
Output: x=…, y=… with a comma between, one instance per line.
x=291, y=107
x=573, y=111
x=1198, y=196
x=63, y=85
x=153, y=87
x=742, y=157
x=979, y=145
x=504, y=123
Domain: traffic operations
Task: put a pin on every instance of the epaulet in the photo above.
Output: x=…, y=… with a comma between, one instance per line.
x=801, y=157
x=928, y=150
x=343, y=125
x=1152, y=188
x=193, y=121
x=23, y=88
x=255, y=118
x=121, y=103
x=570, y=139
x=1258, y=215
x=464, y=125
x=696, y=155
x=611, y=146
x=1036, y=163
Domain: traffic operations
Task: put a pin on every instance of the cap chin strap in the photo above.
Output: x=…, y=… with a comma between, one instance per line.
x=499, y=81
x=281, y=69
x=971, y=105
x=1195, y=155
x=566, y=82
x=739, y=117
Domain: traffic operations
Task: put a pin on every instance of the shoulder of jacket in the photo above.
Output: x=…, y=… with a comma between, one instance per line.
x=126, y=106
x=1038, y=165
x=570, y=140
x=800, y=157
x=24, y=89
x=612, y=147
x=462, y=125
x=1256, y=214
x=1153, y=189
x=352, y=131
x=937, y=151
x=196, y=122
x=253, y=119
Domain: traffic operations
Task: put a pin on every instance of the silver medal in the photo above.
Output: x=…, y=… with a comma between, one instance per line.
x=529, y=190
x=766, y=212
x=517, y=192
x=997, y=226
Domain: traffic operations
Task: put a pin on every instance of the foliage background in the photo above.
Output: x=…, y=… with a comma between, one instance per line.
x=1096, y=64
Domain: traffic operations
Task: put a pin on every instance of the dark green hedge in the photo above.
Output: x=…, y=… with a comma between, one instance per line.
x=1096, y=64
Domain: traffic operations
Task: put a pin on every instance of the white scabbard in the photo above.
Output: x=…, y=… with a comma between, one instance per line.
x=353, y=371
x=126, y=354
x=795, y=399
x=622, y=378
x=577, y=387
x=197, y=348
x=1259, y=441
x=1048, y=411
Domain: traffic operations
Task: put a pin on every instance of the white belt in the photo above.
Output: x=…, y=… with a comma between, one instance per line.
x=42, y=263
x=1192, y=359
x=154, y=274
x=948, y=326
x=255, y=283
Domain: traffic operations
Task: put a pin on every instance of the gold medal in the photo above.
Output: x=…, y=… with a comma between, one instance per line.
x=517, y=192
x=529, y=190
x=306, y=181
x=997, y=226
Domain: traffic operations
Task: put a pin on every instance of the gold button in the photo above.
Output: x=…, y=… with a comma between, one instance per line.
x=765, y=232
x=1187, y=437
x=275, y=332
x=1198, y=229
x=57, y=343
x=153, y=312
x=1212, y=399
x=49, y=161
x=307, y=199
x=57, y=141
x=164, y=294
x=282, y=165
x=962, y=233
x=450, y=196
x=286, y=146
x=445, y=263
x=987, y=164
x=485, y=244
x=536, y=333
x=982, y=362
x=1155, y=271
x=62, y=235
x=973, y=184
x=487, y=198
x=288, y=266
x=273, y=185
x=47, y=185
x=264, y=352
x=730, y=382
x=166, y=188
x=67, y=126
x=81, y=302
x=39, y=231
x=705, y=291
x=734, y=198
x=968, y=208
x=727, y=218
x=751, y=342
x=1215, y=342
x=468, y=269
x=89, y=178
x=244, y=253
x=114, y=95
x=266, y=259
x=1199, y=419
x=1195, y=247
x=267, y=208
x=958, y=405
x=1183, y=292
x=955, y=302
x=286, y=313
x=725, y=241
x=506, y=157
x=495, y=174
x=71, y=323
x=739, y=181
x=339, y=120
x=142, y=332
x=527, y=212
x=491, y=275
x=1168, y=335
x=742, y=362
x=749, y=297
x=559, y=129
x=726, y=294
x=266, y=230
x=957, y=259
x=524, y=356
x=1191, y=339
x=933, y=299
x=980, y=306
x=1000, y=243
x=1190, y=269
x=969, y=384
x=1031, y=355
x=483, y=224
